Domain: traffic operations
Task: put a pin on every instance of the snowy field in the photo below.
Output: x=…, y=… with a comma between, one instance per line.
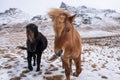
x=100, y=58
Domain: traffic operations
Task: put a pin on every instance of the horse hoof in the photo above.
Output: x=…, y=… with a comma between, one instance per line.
x=33, y=64
x=75, y=74
x=30, y=68
x=38, y=69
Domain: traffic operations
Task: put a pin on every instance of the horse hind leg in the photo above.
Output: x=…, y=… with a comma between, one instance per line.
x=78, y=67
x=66, y=65
x=34, y=59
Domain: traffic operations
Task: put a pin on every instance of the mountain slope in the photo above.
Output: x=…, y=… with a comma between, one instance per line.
x=13, y=15
x=96, y=18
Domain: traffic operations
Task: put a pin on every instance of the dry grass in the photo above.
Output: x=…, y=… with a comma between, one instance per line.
x=40, y=72
x=22, y=75
x=54, y=69
x=25, y=71
x=104, y=77
x=103, y=66
x=2, y=51
x=7, y=56
x=111, y=41
x=55, y=77
x=9, y=72
x=15, y=78
x=48, y=72
x=93, y=65
x=7, y=66
x=118, y=58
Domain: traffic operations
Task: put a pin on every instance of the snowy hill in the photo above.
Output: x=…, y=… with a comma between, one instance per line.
x=93, y=17
x=40, y=17
x=89, y=17
x=89, y=21
x=86, y=17
x=13, y=15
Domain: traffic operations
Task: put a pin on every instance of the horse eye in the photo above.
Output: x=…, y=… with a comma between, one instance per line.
x=52, y=19
x=26, y=30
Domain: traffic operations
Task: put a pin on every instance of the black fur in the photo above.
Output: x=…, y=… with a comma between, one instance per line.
x=36, y=47
x=22, y=47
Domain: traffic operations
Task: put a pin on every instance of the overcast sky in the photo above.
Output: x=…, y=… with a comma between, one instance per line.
x=36, y=7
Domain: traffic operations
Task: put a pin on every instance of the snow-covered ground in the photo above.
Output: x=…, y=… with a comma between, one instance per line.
x=99, y=61
x=99, y=29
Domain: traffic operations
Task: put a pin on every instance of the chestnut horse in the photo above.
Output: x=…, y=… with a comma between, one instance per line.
x=67, y=44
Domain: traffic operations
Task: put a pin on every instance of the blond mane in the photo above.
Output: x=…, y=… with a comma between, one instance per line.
x=55, y=12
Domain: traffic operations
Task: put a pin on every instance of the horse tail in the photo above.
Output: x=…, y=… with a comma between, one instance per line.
x=53, y=58
x=22, y=47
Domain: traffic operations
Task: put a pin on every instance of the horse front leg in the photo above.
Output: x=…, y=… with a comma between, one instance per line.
x=67, y=67
x=38, y=61
x=62, y=63
x=70, y=65
x=34, y=58
x=78, y=66
x=29, y=59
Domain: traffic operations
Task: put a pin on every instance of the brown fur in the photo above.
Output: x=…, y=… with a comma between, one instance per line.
x=67, y=40
x=30, y=35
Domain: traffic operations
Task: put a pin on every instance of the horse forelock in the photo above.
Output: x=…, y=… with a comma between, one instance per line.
x=55, y=12
x=59, y=18
x=30, y=35
x=32, y=32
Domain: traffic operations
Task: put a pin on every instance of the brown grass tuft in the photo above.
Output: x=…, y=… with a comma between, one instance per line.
x=7, y=66
x=103, y=66
x=54, y=69
x=48, y=72
x=93, y=65
x=104, y=77
x=15, y=78
x=55, y=77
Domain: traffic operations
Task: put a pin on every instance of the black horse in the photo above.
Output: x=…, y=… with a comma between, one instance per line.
x=36, y=44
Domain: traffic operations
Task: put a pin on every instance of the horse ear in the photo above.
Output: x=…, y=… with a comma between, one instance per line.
x=71, y=18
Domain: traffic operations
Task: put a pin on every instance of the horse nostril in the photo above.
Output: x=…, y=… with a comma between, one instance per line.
x=60, y=52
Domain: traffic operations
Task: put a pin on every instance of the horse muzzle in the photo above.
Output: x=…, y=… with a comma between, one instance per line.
x=58, y=53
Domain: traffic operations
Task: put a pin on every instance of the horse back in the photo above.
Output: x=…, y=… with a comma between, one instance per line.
x=42, y=41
